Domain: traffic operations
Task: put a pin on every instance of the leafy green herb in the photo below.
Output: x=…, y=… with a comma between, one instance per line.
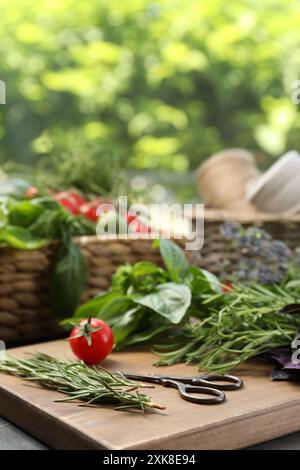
x=174, y=259
x=20, y=238
x=170, y=300
x=68, y=279
x=240, y=325
x=145, y=302
x=30, y=224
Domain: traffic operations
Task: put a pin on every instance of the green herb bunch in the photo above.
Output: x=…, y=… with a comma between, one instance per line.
x=31, y=224
x=80, y=382
x=193, y=314
x=146, y=301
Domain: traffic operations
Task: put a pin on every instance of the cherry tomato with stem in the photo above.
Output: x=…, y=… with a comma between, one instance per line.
x=92, y=340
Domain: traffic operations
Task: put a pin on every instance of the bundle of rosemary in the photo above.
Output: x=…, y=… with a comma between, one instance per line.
x=243, y=323
x=80, y=382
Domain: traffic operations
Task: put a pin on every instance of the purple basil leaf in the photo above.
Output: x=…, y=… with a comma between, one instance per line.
x=291, y=308
x=283, y=358
x=282, y=374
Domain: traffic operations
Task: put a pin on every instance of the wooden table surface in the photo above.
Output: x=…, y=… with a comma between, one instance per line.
x=259, y=412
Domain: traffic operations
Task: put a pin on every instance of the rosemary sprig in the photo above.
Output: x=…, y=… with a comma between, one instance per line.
x=89, y=384
x=245, y=323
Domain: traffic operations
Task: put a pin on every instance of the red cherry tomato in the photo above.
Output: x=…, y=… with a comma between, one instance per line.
x=31, y=192
x=92, y=340
x=77, y=199
x=227, y=287
x=130, y=217
x=139, y=227
x=68, y=204
x=89, y=211
x=65, y=200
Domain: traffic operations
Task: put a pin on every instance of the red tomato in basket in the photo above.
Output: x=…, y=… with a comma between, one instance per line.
x=31, y=192
x=227, y=287
x=91, y=341
x=89, y=211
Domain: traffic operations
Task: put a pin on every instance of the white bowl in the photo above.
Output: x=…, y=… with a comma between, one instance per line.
x=278, y=189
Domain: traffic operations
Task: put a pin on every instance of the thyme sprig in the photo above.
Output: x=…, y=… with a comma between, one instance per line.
x=80, y=382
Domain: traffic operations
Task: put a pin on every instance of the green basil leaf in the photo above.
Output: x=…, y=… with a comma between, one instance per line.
x=145, y=268
x=93, y=307
x=68, y=279
x=124, y=326
x=121, y=278
x=204, y=282
x=20, y=238
x=175, y=260
x=24, y=213
x=116, y=308
x=170, y=300
x=144, y=336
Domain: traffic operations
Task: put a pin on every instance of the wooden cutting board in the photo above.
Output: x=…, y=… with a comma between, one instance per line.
x=262, y=410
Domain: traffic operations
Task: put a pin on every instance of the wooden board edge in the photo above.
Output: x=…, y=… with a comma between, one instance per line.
x=275, y=422
x=44, y=427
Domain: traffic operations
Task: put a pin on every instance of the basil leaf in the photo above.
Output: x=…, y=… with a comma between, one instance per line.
x=204, y=282
x=174, y=259
x=145, y=268
x=145, y=336
x=170, y=300
x=124, y=326
x=68, y=279
x=93, y=307
x=20, y=238
x=23, y=213
x=116, y=308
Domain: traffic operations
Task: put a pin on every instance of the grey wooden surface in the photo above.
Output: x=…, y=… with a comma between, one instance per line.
x=12, y=438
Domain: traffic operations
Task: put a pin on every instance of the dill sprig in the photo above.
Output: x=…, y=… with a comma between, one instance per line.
x=93, y=385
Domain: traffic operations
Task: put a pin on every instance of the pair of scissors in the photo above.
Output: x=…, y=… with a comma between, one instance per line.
x=210, y=384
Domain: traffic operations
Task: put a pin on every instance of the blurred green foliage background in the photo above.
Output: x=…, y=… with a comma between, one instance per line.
x=159, y=84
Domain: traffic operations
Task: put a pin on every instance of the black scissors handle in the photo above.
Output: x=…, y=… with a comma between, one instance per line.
x=186, y=392
x=208, y=380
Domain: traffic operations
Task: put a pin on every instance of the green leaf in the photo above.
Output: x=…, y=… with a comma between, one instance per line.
x=121, y=278
x=68, y=279
x=115, y=308
x=174, y=259
x=144, y=336
x=125, y=325
x=24, y=213
x=145, y=268
x=93, y=307
x=204, y=282
x=20, y=238
x=170, y=300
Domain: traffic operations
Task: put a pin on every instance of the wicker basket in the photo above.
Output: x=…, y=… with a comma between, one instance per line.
x=24, y=281
x=283, y=227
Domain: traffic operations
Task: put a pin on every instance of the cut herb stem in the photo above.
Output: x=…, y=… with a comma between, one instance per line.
x=90, y=384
